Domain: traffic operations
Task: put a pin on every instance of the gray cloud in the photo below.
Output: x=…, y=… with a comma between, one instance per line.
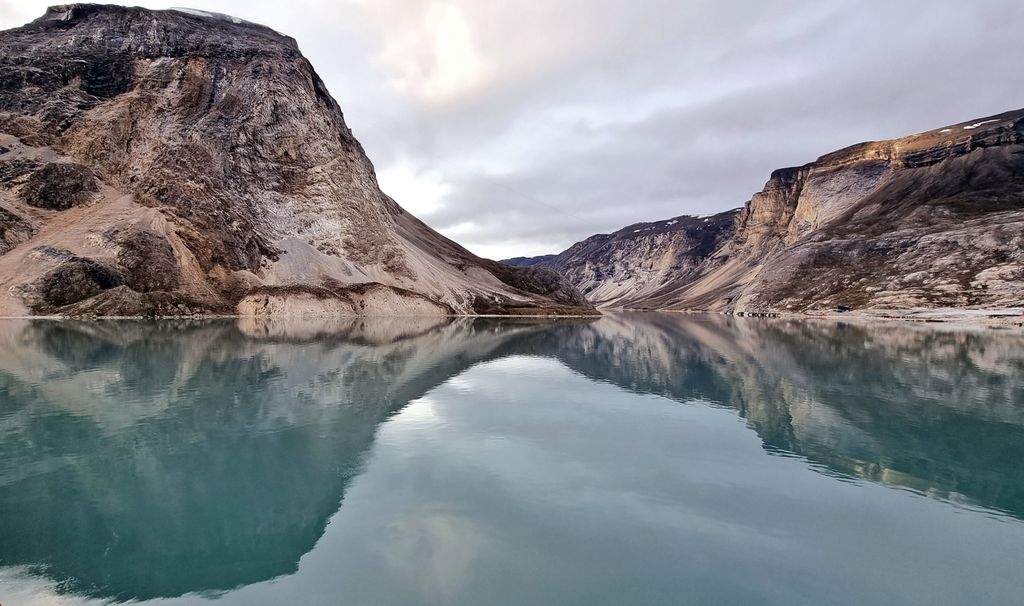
x=520, y=127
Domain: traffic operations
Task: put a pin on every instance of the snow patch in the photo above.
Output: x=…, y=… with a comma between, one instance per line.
x=198, y=13
x=672, y=222
x=945, y=130
x=977, y=124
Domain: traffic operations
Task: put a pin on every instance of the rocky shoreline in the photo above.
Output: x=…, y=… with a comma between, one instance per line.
x=1010, y=318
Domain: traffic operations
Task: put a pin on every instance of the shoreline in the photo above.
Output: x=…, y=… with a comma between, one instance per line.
x=996, y=319
x=1004, y=318
x=297, y=317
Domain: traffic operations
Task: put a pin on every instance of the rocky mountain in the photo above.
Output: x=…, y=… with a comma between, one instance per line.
x=177, y=162
x=932, y=220
x=528, y=261
x=639, y=262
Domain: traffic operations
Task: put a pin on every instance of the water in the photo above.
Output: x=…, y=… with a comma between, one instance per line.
x=636, y=459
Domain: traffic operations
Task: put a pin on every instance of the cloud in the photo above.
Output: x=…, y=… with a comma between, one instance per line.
x=422, y=191
x=14, y=13
x=520, y=127
x=434, y=59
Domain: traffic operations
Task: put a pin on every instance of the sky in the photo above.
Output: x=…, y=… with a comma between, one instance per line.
x=520, y=127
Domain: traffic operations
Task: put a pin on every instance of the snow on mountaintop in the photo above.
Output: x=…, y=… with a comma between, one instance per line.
x=198, y=13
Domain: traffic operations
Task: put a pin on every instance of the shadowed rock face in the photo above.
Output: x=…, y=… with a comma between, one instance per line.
x=59, y=186
x=930, y=220
x=147, y=260
x=14, y=230
x=216, y=139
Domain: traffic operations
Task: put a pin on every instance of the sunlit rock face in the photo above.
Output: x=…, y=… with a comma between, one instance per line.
x=930, y=220
x=214, y=143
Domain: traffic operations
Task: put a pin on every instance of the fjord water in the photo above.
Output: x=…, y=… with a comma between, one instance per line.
x=633, y=459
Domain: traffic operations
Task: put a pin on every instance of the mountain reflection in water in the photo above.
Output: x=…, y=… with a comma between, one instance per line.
x=156, y=459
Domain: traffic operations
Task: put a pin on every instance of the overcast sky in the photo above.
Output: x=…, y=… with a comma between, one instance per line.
x=520, y=127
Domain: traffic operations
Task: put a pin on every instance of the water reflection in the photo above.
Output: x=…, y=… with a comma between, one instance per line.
x=937, y=411
x=142, y=460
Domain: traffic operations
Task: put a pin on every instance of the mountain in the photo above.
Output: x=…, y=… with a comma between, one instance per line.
x=931, y=220
x=528, y=261
x=179, y=162
x=639, y=262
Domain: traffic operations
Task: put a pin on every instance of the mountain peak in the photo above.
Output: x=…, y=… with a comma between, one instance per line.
x=163, y=162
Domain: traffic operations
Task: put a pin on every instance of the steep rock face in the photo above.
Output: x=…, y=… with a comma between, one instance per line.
x=930, y=220
x=14, y=230
x=640, y=262
x=215, y=139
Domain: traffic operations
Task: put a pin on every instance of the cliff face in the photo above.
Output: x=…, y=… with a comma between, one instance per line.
x=194, y=162
x=931, y=220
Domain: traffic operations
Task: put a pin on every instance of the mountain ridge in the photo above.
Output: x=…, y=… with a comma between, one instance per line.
x=637, y=261
x=934, y=219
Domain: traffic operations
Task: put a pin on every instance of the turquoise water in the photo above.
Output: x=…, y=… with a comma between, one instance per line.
x=635, y=459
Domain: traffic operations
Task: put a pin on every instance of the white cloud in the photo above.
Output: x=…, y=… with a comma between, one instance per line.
x=436, y=60
x=17, y=12
x=427, y=50
x=420, y=191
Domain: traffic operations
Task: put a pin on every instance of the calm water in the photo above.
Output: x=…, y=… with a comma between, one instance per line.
x=636, y=459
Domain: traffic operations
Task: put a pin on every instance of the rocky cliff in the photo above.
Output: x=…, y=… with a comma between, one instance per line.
x=927, y=221
x=172, y=162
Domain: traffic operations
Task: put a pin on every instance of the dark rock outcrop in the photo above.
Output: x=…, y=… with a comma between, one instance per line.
x=74, y=279
x=14, y=230
x=147, y=260
x=59, y=186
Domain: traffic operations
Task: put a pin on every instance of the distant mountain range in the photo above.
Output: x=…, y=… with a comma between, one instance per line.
x=926, y=221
